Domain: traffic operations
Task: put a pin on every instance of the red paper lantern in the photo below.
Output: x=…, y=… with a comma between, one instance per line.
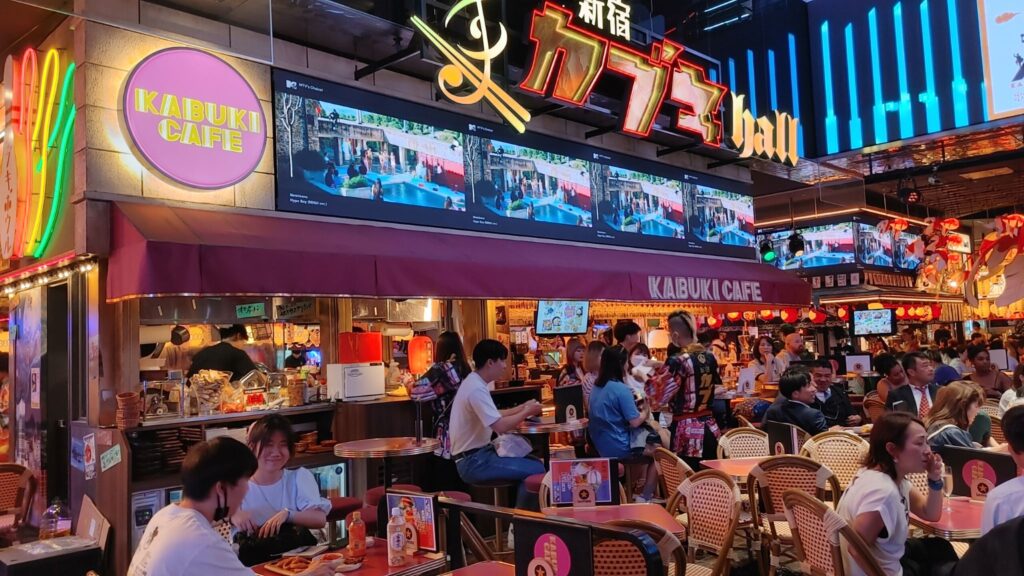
x=421, y=354
x=937, y=310
x=767, y=314
x=750, y=316
x=817, y=316
x=733, y=316
x=843, y=313
x=790, y=315
x=901, y=312
x=714, y=322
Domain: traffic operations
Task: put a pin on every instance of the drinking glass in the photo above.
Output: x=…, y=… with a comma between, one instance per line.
x=947, y=485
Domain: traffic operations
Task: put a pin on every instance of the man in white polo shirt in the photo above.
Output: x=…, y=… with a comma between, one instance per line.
x=474, y=417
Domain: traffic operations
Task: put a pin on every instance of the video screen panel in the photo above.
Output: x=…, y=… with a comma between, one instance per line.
x=874, y=248
x=829, y=245
x=345, y=152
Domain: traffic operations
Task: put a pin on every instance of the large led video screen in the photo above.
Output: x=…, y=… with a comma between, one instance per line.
x=829, y=245
x=341, y=151
x=874, y=247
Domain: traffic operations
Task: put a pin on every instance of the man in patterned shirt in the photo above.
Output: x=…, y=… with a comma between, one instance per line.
x=687, y=385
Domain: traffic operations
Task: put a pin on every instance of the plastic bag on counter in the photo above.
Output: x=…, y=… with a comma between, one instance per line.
x=232, y=398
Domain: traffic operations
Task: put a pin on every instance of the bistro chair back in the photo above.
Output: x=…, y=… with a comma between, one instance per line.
x=743, y=443
x=841, y=452
x=671, y=473
x=743, y=422
x=673, y=555
x=713, y=504
x=997, y=430
x=17, y=490
x=816, y=532
x=919, y=482
x=768, y=481
x=991, y=407
x=873, y=406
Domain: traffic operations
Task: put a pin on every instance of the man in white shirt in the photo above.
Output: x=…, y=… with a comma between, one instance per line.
x=474, y=417
x=180, y=540
x=1006, y=501
x=791, y=352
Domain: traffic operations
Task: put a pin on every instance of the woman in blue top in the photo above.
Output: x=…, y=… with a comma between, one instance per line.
x=956, y=406
x=281, y=506
x=613, y=413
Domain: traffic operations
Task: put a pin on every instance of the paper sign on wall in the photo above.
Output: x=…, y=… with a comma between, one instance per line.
x=110, y=458
x=90, y=456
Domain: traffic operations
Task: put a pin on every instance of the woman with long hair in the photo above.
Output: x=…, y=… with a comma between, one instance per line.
x=281, y=506
x=573, y=372
x=767, y=368
x=614, y=413
x=592, y=367
x=949, y=420
x=1015, y=395
x=880, y=499
x=439, y=385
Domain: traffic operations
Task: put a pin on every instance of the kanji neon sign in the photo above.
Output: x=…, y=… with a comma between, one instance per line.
x=39, y=120
x=568, y=61
x=611, y=16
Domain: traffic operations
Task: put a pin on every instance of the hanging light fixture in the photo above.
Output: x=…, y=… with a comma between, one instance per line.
x=796, y=244
x=767, y=251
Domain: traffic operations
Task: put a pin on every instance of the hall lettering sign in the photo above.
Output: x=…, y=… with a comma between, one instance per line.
x=569, y=59
x=684, y=288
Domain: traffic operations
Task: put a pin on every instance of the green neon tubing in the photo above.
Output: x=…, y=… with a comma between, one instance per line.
x=58, y=183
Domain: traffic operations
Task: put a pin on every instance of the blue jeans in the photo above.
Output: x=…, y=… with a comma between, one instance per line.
x=485, y=466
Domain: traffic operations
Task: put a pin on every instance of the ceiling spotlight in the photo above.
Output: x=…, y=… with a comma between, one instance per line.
x=767, y=251
x=908, y=193
x=934, y=178
x=796, y=244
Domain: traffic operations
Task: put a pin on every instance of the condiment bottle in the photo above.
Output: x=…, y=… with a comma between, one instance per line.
x=357, y=537
x=396, y=538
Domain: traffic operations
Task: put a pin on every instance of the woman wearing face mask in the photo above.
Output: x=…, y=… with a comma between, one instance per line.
x=767, y=368
x=880, y=499
x=281, y=505
x=180, y=540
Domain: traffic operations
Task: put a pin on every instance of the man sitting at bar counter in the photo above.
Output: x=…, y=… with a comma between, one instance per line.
x=180, y=539
x=474, y=417
x=226, y=356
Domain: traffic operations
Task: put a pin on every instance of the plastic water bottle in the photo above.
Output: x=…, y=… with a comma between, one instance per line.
x=396, y=538
x=56, y=521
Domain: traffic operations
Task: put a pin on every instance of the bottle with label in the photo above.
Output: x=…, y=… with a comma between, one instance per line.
x=56, y=521
x=396, y=538
x=357, y=537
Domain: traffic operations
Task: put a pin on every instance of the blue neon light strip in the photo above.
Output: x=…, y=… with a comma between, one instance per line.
x=930, y=99
x=753, y=82
x=959, y=84
x=878, y=111
x=831, y=122
x=772, y=88
x=795, y=88
x=856, y=129
x=906, y=112
x=713, y=74
x=732, y=75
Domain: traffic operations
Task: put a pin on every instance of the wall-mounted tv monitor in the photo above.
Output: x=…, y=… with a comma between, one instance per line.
x=829, y=245
x=555, y=317
x=874, y=248
x=902, y=253
x=874, y=322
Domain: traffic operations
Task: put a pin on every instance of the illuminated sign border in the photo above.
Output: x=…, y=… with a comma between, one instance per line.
x=145, y=159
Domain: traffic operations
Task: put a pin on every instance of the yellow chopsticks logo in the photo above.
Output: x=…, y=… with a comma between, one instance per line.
x=461, y=69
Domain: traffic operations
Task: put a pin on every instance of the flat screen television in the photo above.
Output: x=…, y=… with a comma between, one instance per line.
x=874, y=322
x=557, y=317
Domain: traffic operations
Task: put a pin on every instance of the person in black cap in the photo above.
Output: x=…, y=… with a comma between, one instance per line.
x=297, y=359
x=226, y=356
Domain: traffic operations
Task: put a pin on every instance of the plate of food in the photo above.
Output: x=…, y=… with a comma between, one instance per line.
x=339, y=562
x=290, y=566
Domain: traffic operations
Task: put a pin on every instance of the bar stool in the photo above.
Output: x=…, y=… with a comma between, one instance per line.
x=500, y=490
x=533, y=484
x=341, y=507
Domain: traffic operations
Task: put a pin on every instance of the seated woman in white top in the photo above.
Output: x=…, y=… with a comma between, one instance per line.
x=282, y=505
x=1015, y=395
x=767, y=368
x=180, y=540
x=880, y=499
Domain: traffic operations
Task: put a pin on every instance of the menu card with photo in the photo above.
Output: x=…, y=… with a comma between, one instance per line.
x=581, y=482
x=419, y=510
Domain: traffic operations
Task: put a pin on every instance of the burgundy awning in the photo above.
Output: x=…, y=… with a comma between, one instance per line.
x=165, y=250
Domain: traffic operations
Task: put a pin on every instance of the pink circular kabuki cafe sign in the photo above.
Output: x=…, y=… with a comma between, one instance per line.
x=194, y=118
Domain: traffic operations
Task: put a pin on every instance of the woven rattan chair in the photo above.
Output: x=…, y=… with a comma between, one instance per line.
x=744, y=423
x=873, y=406
x=765, y=486
x=712, y=502
x=840, y=451
x=743, y=443
x=919, y=482
x=619, y=558
x=997, y=430
x=673, y=555
x=17, y=490
x=991, y=407
x=671, y=473
x=816, y=532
